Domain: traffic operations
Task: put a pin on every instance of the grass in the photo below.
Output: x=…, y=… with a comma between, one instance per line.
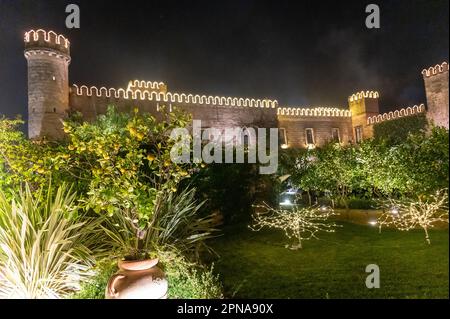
x=256, y=264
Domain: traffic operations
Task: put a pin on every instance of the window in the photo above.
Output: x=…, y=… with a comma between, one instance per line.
x=335, y=135
x=358, y=134
x=309, y=136
x=282, y=138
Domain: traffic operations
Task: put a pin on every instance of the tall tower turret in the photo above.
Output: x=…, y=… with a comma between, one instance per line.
x=363, y=105
x=436, y=88
x=48, y=56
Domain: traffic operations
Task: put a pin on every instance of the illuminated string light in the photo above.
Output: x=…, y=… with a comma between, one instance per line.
x=423, y=213
x=181, y=98
x=298, y=223
x=364, y=95
x=50, y=36
x=140, y=84
x=434, y=70
x=316, y=111
x=416, y=109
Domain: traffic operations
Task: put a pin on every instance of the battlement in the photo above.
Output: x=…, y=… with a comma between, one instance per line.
x=363, y=95
x=181, y=98
x=316, y=111
x=408, y=111
x=147, y=86
x=41, y=40
x=435, y=70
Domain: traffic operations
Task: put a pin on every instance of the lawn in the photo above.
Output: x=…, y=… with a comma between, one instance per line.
x=256, y=264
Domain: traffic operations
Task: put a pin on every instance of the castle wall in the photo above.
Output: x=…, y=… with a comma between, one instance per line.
x=322, y=127
x=217, y=116
x=48, y=60
x=436, y=88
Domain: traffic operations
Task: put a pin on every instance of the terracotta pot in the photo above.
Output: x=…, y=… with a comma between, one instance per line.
x=137, y=280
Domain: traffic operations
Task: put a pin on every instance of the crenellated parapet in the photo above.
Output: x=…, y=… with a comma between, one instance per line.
x=408, y=111
x=435, y=70
x=46, y=42
x=150, y=86
x=363, y=95
x=170, y=97
x=316, y=111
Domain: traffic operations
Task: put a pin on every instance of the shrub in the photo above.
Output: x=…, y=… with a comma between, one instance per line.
x=175, y=224
x=396, y=131
x=44, y=247
x=186, y=280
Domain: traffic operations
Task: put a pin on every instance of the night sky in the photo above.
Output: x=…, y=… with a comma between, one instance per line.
x=303, y=53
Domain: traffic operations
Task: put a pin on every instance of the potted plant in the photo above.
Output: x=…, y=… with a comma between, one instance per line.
x=131, y=180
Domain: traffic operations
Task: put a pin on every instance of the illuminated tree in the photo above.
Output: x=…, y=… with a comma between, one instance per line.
x=408, y=214
x=299, y=223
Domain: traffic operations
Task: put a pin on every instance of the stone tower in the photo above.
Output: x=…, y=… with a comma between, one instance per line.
x=363, y=105
x=436, y=88
x=48, y=56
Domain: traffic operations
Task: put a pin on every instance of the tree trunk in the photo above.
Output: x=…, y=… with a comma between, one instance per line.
x=427, y=237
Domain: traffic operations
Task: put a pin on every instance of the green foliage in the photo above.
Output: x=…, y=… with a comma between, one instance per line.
x=125, y=162
x=396, y=131
x=44, y=244
x=175, y=225
x=95, y=287
x=232, y=189
x=416, y=166
x=21, y=160
x=186, y=280
x=190, y=281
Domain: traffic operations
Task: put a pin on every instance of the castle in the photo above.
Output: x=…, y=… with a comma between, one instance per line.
x=51, y=98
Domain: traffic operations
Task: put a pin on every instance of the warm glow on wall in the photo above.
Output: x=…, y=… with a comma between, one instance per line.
x=181, y=98
x=416, y=109
x=316, y=111
x=434, y=70
x=49, y=36
x=364, y=94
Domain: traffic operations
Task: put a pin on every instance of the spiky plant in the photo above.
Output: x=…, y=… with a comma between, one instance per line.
x=43, y=244
x=175, y=224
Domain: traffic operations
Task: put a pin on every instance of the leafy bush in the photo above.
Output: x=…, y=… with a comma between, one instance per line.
x=417, y=165
x=186, y=280
x=95, y=287
x=396, y=131
x=175, y=225
x=21, y=160
x=232, y=189
x=44, y=248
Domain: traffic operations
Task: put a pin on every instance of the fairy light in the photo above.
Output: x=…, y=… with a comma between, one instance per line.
x=408, y=111
x=315, y=111
x=405, y=215
x=435, y=70
x=299, y=223
x=363, y=95
x=182, y=98
x=48, y=36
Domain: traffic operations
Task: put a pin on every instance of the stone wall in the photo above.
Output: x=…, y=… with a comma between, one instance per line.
x=436, y=88
x=211, y=115
x=48, y=60
x=322, y=126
